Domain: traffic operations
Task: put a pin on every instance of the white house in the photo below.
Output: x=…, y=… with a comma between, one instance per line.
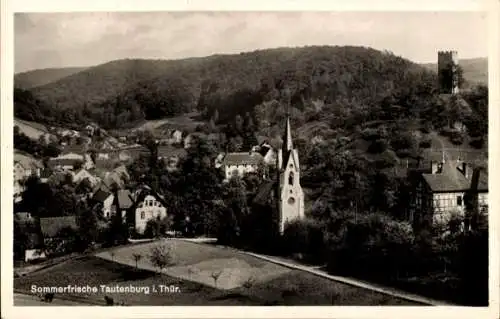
x=148, y=206
x=176, y=137
x=24, y=167
x=241, y=163
x=107, y=205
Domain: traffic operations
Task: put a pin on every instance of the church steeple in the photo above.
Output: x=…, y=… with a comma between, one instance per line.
x=287, y=137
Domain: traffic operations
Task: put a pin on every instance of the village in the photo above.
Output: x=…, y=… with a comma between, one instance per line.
x=310, y=175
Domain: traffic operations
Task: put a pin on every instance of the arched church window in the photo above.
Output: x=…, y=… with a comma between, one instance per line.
x=290, y=178
x=291, y=201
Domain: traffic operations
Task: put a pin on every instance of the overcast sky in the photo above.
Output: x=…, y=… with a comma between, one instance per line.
x=44, y=40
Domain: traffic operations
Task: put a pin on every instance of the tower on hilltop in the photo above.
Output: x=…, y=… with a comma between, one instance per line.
x=448, y=76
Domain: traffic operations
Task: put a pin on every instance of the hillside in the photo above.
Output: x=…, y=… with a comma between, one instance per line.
x=475, y=70
x=366, y=96
x=124, y=91
x=34, y=78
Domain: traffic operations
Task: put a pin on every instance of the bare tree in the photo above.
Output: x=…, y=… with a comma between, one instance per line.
x=191, y=271
x=215, y=275
x=161, y=257
x=249, y=282
x=136, y=257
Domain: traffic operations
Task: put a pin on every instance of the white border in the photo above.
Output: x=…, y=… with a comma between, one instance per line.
x=10, y=6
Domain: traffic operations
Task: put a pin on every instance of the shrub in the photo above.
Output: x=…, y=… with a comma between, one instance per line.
x=477, y=143
x=425, y=143
x=306, y=237
x=404, y=153
x=457, y=138
x=386, y=160
x=372, y=239
x=370, y=134
x=378, y=146
x=403, y=140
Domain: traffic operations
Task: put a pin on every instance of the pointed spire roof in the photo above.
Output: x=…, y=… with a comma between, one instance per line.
x=287, y=138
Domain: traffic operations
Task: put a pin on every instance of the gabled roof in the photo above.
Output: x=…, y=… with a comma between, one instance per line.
x=50, y=226
x=243, y=158
x=63, y=162
x=124, y=199
x=452, y=180
x=144, y=191
x=76, y=149
x=100, y=195
x=171, y=151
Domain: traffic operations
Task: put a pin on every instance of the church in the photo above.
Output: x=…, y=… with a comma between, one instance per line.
x=284, y=189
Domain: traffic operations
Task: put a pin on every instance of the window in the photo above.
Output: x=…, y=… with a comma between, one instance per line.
x=291, y=201
x=143, y=215
x=459, y=200
x=290, y=178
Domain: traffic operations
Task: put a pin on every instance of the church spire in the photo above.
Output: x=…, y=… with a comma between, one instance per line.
x=287, y=138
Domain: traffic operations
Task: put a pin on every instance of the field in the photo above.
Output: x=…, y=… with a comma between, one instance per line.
x=191, y=270
x=31, y=129
x=185, y=122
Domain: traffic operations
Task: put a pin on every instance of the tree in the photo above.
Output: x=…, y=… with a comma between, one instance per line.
x=87, y=225
x=233, y=219
x=215, y=276
x=161, y=257
x=137, y=257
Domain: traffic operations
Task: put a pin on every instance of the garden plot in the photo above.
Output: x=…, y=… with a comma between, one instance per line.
x=208, y=265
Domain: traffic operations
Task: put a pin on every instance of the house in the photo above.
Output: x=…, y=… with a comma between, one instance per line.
x=188, y=141
x=267, y=151
x=284, y=189
x=82, y=175
x=171, y=155
x=119, y=201
x=45, y=175
x=90, y=129
x=122, y=172
x=240, y=163
x=219, y=160
x=124, y=156
x=176, y=137
x=440, y=192
x=107, y=204
x=65, y=164
x=24, y=167
x=101, y=196
x=148, y=205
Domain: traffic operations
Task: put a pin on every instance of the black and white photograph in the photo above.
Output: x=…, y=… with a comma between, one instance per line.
x=250, y=158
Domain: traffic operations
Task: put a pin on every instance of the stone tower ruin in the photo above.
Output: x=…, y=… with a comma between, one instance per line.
x=447, y=72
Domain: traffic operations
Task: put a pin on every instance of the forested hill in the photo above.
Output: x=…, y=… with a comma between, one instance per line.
x=31, y=79
x=125, y=91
